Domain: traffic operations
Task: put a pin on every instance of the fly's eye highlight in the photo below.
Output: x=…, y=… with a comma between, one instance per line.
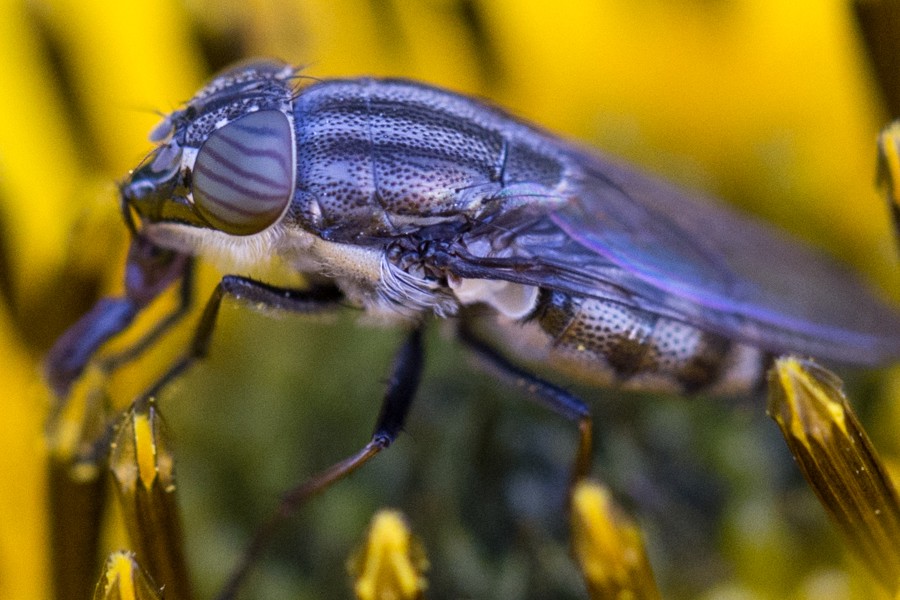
x=244, y=173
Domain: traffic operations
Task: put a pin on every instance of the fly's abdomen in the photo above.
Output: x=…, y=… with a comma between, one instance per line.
x=606, y=343
x=640, y=349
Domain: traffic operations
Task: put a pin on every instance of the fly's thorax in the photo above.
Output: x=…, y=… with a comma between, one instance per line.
x=382, y=157
x=602, y=342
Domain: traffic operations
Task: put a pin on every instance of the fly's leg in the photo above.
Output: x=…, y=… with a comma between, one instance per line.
x=316, y=299
x=78, y=424
x=109, y=317
x=77, y=489
x=402, y=385
x=149, y=271
x=109, y=364
x=147, y=541
x=545, y=393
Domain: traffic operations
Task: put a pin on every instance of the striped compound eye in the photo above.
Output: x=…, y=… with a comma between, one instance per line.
x=244, y=173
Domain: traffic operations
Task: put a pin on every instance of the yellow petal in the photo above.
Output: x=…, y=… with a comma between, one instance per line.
x=142, y=467
x=391, y=565
x=23, y=528
x=839, y=462
x=123, y=579
x=608, y=547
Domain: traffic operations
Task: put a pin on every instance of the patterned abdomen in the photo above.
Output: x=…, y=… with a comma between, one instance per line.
x=642, y=350
x=605, y=343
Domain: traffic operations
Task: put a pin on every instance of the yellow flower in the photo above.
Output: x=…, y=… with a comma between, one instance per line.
x=142, y=465
x=889, y=168
x=123, y=579
x=609, y=548
x=391, y=564
x=839, y=462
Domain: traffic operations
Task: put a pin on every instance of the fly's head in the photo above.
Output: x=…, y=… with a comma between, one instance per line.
x=225, y=162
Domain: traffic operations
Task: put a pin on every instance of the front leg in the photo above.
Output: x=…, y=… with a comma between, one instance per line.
x=149, y=271
x=76, y=502
x=305, y=301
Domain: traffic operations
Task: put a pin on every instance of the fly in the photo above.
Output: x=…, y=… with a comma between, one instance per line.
x=413, y=203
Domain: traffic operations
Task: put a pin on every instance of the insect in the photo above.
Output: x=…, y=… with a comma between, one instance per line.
x=413, y=203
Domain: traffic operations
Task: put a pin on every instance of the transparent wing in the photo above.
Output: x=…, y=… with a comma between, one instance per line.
x=628, y=237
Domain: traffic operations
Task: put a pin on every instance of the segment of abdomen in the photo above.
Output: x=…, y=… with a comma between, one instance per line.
x=608, y=344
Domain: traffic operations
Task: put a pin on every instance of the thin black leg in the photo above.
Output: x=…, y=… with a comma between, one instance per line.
x=306, y=301
x=74, y=349
x=185, y=301
x=76, y=495
x=545, y=393
x=402, y=385
x=317, y=299
x=149, y=271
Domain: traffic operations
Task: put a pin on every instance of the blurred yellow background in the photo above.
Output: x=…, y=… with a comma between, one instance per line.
x=768, y=104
